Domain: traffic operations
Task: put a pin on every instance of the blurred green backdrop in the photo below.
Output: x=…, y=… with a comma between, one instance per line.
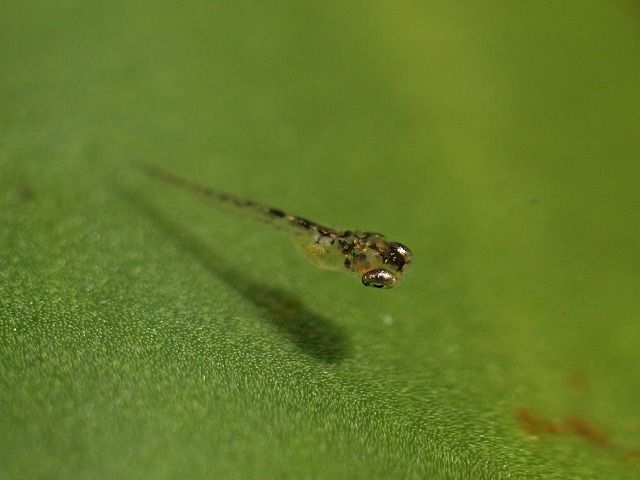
x=144, y=335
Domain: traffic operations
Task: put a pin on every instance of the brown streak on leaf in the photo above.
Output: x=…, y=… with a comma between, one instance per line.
x=588, y=430
x=537, y=425
x=576, y=381
x=632, y=454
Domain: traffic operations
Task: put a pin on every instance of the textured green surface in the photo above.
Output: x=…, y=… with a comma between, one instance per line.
x=143, y=335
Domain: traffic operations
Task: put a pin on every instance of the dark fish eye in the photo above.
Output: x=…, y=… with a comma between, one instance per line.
x=399, y=255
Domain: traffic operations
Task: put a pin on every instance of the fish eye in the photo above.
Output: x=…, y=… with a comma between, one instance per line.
x=399, y=255
x=379, y=278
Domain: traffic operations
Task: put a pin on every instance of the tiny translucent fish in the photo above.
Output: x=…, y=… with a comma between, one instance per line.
x=378, y=262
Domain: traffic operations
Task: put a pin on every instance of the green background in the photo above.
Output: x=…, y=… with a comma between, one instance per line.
x=145, y=335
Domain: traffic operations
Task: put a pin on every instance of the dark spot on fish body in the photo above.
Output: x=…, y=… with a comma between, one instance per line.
x=360, y=261
x=302, y=222
x=345, y=246
x=324, y=231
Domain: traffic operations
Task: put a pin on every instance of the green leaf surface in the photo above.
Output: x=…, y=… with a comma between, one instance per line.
x=146, y=335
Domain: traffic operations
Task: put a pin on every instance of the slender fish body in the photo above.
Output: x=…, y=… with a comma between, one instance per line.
x=376, y=261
